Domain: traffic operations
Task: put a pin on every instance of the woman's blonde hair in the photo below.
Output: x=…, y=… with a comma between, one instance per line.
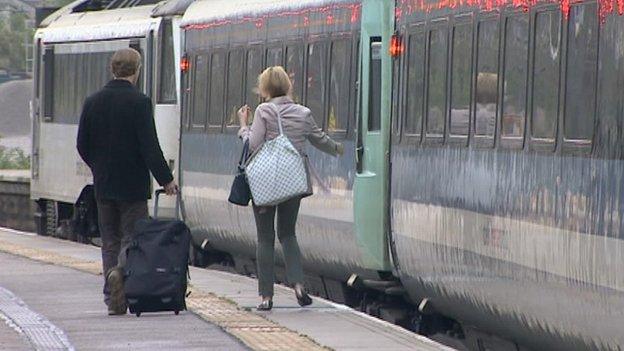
x=274, y=81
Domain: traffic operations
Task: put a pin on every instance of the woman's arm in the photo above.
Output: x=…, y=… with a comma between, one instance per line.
x=257, y=132
x=320, y=139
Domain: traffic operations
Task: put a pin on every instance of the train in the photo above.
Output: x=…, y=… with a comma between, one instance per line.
x=480, y=198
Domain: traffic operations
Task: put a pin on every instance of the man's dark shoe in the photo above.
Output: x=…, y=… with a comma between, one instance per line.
x=116, y=312
x=117, y=305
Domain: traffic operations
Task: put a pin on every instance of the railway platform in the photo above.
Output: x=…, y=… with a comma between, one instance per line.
x=50, y=299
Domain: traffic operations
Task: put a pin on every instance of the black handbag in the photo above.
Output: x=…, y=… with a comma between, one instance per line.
x=240, y=193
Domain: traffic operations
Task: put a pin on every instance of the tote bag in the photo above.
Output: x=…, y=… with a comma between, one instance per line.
x=277, y=171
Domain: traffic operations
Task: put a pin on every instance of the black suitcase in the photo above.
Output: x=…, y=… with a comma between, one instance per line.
x=156, y=269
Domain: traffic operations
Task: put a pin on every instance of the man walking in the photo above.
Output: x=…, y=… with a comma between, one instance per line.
x=117, y=139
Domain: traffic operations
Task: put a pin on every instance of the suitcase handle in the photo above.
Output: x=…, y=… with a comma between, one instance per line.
x=179, y=206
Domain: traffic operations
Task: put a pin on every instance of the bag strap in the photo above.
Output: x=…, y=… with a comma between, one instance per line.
x=245, y=153
x=279, y=118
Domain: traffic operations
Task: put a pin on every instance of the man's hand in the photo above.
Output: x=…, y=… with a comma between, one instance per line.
x=172, y=188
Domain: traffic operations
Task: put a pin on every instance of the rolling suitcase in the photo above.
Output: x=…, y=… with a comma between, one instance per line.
x=156, y=269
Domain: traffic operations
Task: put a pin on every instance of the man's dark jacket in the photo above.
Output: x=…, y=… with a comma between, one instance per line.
x=117, y=139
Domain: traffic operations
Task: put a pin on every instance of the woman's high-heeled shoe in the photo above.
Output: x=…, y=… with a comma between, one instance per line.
x=265, y=305
x=302, y=297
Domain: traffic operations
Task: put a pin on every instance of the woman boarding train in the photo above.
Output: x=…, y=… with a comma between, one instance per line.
x=279, y=114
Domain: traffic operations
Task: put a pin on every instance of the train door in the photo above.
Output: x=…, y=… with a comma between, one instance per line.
x=167, y=106
x=58, y=173
x=371, y=198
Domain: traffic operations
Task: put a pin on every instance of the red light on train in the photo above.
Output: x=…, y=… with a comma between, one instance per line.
x=396, y=45
x=185, y=64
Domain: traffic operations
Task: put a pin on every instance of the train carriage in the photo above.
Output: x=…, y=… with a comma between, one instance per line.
x=73, y=48
x=506, y=168
x=227, y=44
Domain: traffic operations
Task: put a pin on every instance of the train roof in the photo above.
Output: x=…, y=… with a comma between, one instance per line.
x=99, y=25
x=84, y=20
x=209, y=11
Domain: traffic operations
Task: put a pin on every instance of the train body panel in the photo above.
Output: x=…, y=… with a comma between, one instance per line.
x=325, y=226
x=491, y=236
x=61, y=173
x=302, y=37
x=74, y=47
x=506, y=198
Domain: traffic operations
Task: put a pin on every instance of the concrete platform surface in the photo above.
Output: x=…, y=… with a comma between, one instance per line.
x=72, y=302
x=328, y=324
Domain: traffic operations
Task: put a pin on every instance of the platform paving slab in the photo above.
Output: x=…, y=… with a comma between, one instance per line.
x=328, y=324
x=72, y=301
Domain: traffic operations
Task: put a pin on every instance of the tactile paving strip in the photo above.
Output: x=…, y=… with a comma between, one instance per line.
x=53, y=258
x=253, y=330
x=40, y=333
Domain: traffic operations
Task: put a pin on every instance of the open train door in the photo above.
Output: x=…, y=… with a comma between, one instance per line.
x=371, y=198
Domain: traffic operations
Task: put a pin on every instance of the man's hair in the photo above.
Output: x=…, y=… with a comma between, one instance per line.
x=274, y=81
x=125, y=62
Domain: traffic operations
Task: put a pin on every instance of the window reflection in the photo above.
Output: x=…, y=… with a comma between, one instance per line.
x=514, y=89
x=487, y=78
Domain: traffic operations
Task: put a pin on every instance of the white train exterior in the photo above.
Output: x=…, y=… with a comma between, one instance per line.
x=73, y=48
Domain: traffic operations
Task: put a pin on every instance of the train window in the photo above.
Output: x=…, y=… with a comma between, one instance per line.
x=294, y=67
x=374, y=85
x=274, y=57
x=515, y=76
x=461, y=78
x=167, y=84
x=234, y=86
x=217, y=88
x=546, y=74
x=317, y=66
x=340, y=81
x=200, y=90
x=90, y=73
x=415, y=84
x=582, y=65
x=487, y=78
x=254, y=68
x=63, y=87
x=141, y=83
x=48, y=83
x=436, y=97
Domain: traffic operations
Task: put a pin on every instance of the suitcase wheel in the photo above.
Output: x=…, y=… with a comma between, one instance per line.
x=138, y=314
x=176, y=312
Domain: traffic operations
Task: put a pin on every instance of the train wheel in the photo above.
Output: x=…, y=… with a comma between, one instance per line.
x=176, y=312
x=138, y=314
